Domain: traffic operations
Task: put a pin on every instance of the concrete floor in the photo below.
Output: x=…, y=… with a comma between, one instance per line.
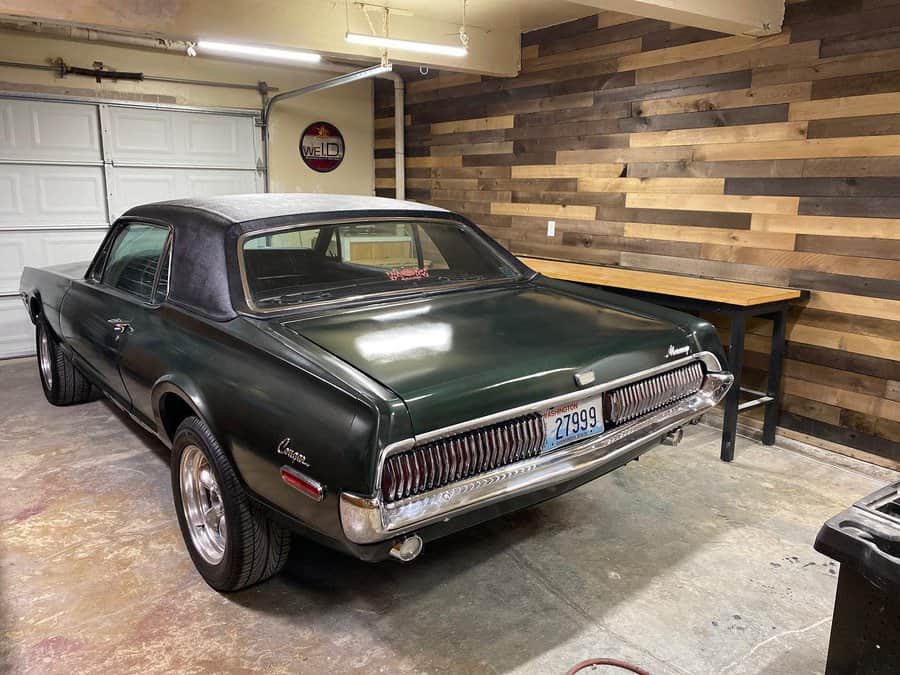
x=679, y=563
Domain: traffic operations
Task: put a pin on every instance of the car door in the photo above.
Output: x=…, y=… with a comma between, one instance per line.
x=100, y=312
x=145, y=349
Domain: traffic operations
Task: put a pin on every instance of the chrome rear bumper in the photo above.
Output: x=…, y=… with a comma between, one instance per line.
x=367, y=520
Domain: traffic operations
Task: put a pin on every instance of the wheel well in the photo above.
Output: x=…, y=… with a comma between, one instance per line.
x=172, y=411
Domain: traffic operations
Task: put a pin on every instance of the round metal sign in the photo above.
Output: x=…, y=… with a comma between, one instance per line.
x=322, y=147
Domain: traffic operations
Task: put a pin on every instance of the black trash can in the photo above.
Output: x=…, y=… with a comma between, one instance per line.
x=865, y=540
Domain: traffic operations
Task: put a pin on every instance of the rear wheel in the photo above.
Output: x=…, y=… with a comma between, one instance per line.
x=62, y=382
x=232, y=542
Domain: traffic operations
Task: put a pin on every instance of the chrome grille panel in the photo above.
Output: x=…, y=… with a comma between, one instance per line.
x=637, y=399
x=444, y=461
x=451, y=459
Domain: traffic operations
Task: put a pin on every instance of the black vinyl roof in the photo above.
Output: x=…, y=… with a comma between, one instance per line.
x=204, y=258
x=231, y=209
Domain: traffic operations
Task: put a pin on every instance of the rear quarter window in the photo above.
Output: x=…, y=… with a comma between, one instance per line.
x=133, y=261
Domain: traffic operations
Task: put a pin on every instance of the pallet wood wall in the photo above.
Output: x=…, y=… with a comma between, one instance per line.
x=660, y=147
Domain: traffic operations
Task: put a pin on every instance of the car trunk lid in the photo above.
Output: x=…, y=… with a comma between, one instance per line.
x=460, y=356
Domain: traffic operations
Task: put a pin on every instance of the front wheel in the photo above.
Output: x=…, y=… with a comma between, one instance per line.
x=232, y=542
x=62, y=382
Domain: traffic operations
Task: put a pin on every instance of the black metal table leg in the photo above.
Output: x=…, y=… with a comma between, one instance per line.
x=738, y=315
x=776, y=363
x=732, y=400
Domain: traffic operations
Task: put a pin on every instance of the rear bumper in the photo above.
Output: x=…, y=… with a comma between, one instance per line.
x=367, y=520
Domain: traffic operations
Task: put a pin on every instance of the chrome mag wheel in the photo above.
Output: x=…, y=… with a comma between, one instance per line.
x=44, y=359
x=201, y=500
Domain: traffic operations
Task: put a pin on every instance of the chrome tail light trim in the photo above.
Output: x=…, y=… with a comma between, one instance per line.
x=367, y=520
x=443, y=461
x=708, y=359
x=634, y=400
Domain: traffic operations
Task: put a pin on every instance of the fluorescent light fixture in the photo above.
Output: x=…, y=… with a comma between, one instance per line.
x=263, y=53
x=408, y=45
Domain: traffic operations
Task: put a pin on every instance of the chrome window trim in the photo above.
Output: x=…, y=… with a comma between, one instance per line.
x=169, y=247
x=245, y=287
x=101, y=259
x=368, y=520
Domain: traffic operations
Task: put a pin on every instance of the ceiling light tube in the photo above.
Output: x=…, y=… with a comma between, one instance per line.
x=252, y=51
x=408, y=45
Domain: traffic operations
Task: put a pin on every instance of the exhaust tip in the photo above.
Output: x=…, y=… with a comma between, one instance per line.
x=408, y=549
x=674, y=437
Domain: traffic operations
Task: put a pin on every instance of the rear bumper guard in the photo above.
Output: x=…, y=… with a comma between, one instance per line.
x=367, y=520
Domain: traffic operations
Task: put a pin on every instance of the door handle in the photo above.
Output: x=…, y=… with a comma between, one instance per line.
x=120, y=326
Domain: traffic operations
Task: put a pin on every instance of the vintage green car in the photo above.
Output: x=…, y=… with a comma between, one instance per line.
x=370, y=373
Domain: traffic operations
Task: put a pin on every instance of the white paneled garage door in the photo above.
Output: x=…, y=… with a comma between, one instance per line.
x=69, y=169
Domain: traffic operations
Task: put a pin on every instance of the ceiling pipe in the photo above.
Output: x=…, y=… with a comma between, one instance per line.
x=86, y=34
x=399, y=138
x=156, y=43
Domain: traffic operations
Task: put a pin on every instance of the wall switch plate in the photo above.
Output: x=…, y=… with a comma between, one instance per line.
x=551, y=228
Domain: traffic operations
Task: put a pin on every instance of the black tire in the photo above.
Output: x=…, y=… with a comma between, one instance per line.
x=62, y=382
x=255, y=547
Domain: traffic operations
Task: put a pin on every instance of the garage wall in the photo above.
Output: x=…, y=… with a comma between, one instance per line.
x=67, y=169
x=348, y=107
x=660, y=147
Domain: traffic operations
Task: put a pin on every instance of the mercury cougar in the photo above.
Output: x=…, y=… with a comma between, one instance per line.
x=369, y=373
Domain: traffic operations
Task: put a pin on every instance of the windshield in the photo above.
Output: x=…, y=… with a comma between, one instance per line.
x=304, y=264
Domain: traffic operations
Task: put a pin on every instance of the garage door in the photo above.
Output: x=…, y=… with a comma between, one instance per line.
x=69, y=169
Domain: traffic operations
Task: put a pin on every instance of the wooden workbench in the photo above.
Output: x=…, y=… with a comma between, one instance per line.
x=739, y=302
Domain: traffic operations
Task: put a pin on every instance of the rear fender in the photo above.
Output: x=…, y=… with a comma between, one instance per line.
x=190, y=394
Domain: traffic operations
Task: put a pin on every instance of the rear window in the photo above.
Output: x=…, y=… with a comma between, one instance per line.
x=304, y=264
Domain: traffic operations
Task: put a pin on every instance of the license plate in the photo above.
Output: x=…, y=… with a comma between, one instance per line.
x=571, y=422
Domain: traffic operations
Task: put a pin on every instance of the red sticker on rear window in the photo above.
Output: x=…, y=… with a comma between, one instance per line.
x=407, y=273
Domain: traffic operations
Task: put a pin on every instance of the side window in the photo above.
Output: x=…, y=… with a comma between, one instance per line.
x=432, y=258
x=134, y=259
x=296, y=239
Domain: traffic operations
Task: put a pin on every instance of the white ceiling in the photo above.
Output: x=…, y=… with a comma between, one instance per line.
x=521, y=15
x=494, y=26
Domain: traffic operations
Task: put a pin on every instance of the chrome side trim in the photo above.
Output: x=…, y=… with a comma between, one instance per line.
x=366, y=520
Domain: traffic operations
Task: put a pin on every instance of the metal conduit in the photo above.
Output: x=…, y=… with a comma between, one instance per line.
x=28, y=66
x=374, y=71
x=399, y=139
x=149, y=78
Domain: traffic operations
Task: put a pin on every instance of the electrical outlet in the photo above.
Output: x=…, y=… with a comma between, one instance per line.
x=551, y=228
